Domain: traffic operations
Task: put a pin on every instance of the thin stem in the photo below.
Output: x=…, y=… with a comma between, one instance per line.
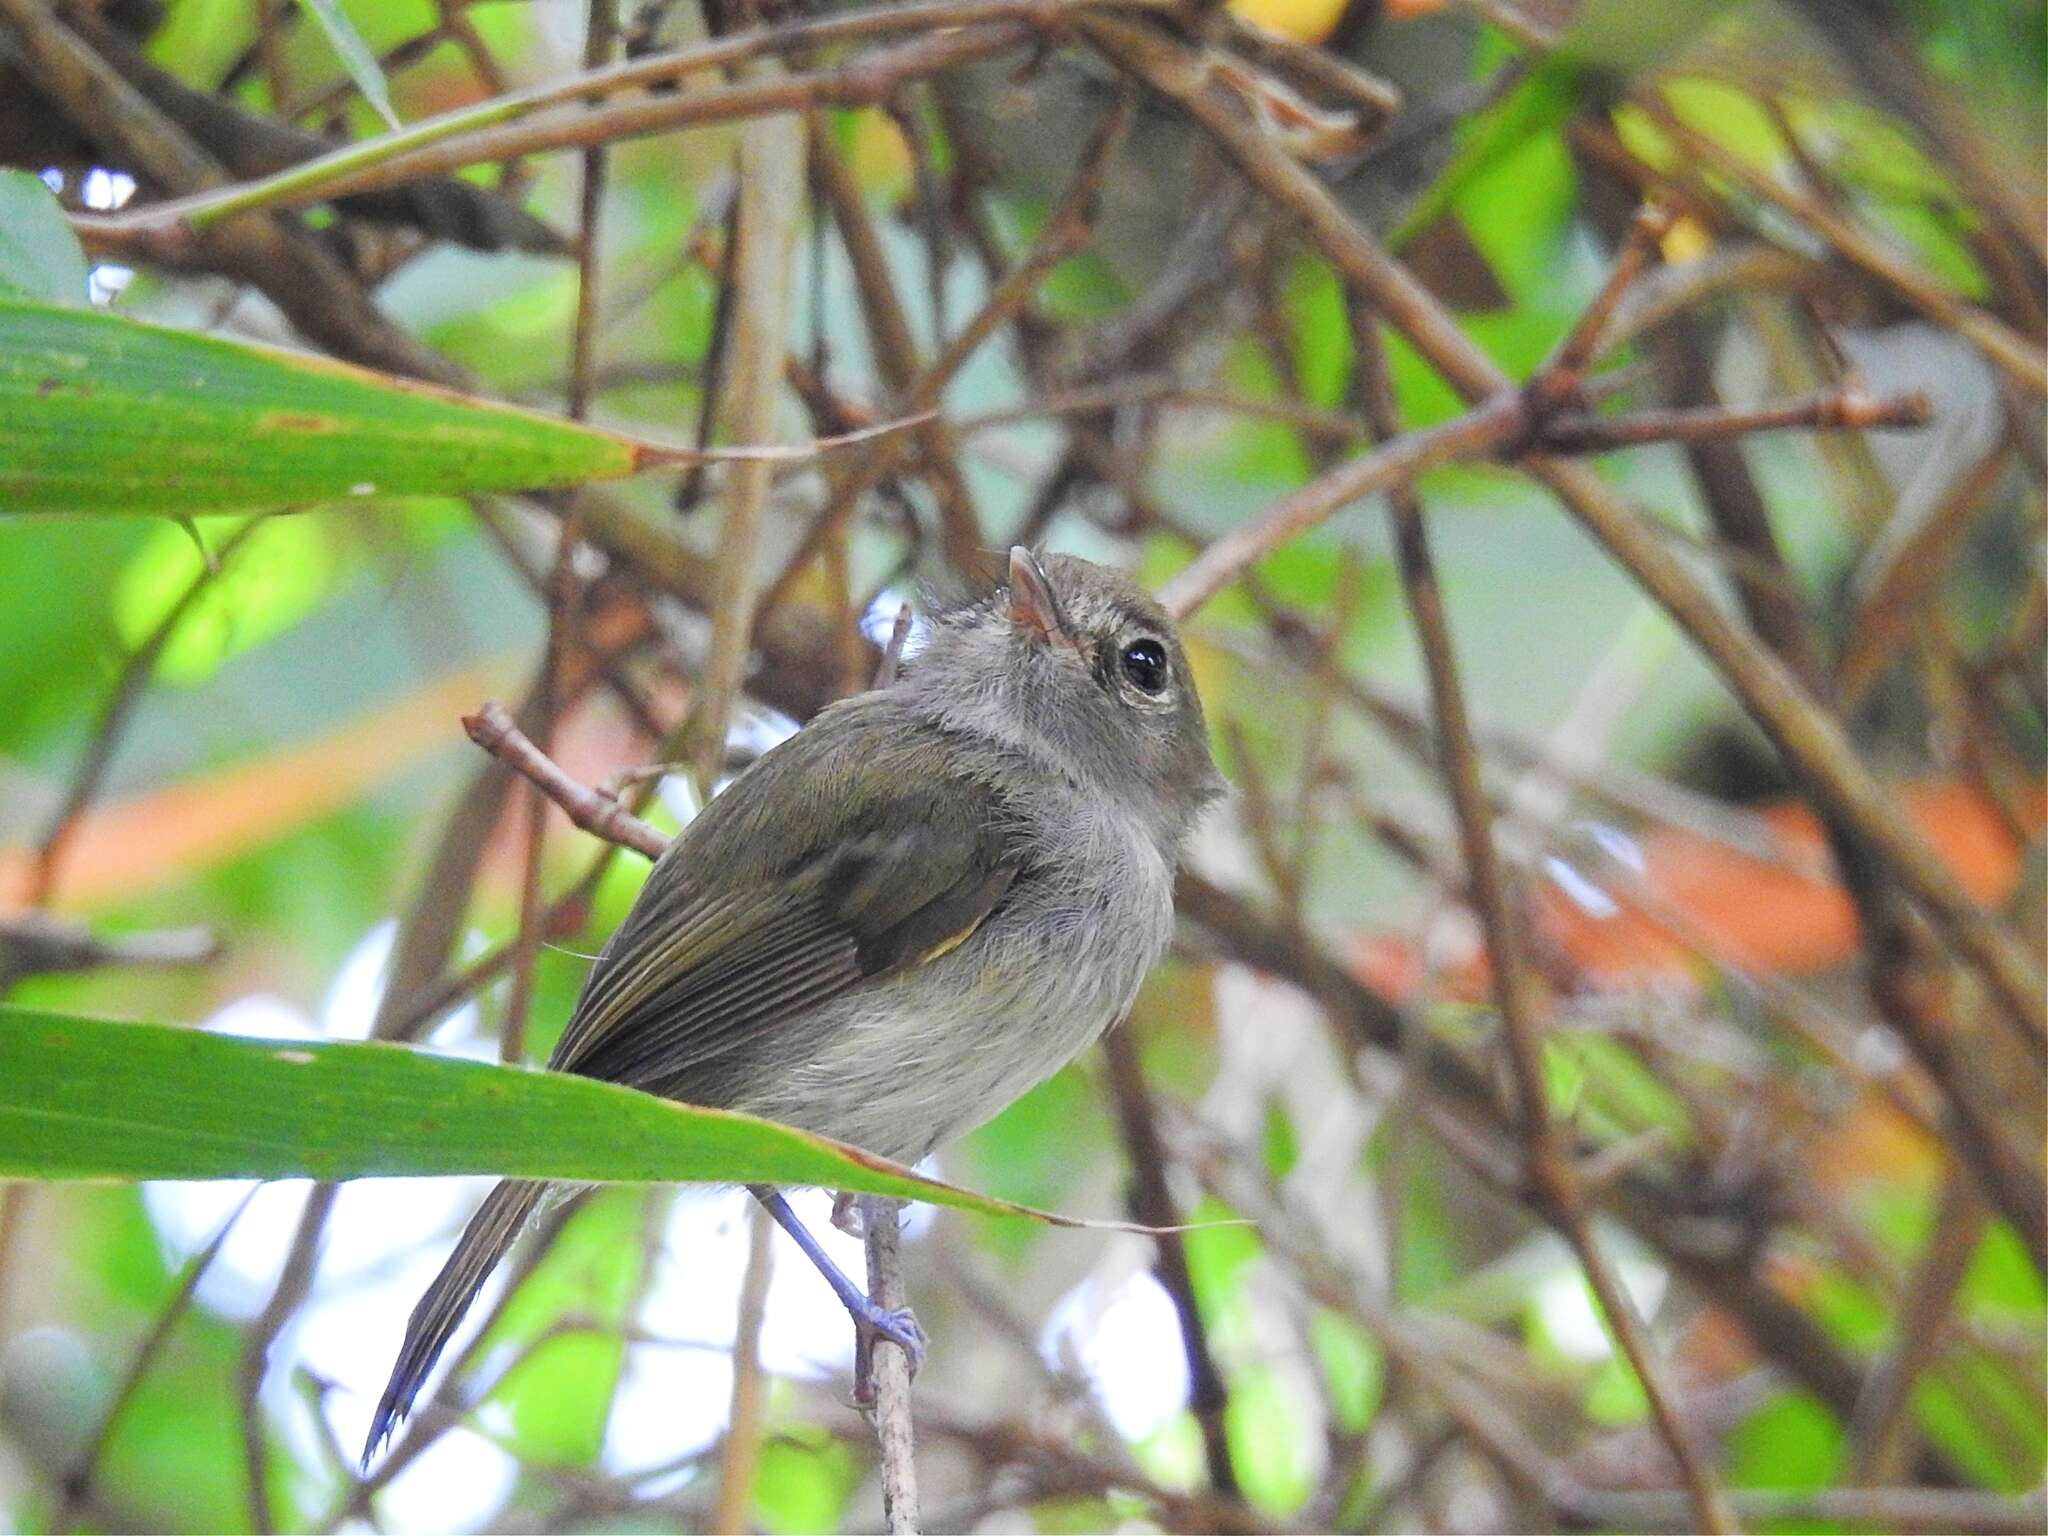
x=370, y=162
x=495, y=731
x=1547, y=1167
x=766, y=221
x=740, y=1456
x=889, y=1369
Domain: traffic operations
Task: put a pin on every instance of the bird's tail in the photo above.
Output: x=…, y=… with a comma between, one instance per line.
x=433, y=1322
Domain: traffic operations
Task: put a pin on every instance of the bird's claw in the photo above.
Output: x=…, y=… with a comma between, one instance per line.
x=877, y=1324
x=846, y=1214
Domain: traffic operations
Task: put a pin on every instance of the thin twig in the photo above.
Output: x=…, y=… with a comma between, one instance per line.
x=766, y=220
x=78, y=1480
x=1877, y=1429
x=889, y=1367
x=294, y=1284
x=1843, y=410
x=867, y=80
x=494, y=730
x=129, y=687
x=1065, y=231
x=1151, y=1203
x=601, y=25
x=349, y=167
x=38, y=944
x=740, y=1454
x=892, y=652
x=1561, y=379
x=1476, y=433
x=1553, y=1182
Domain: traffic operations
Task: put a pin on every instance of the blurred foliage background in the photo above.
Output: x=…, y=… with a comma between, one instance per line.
x=1799, y=1126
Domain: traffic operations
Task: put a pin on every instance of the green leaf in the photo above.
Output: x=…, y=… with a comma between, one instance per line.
x=1564, y=1078
x=88, y=1098
x=99, y=413
x=39, y=256
x=1354, y=1368
x=1615, y=1395
x=1791, y=1442
x=2001, y=1283
x=1538, y=104
x=1988, y=1447
x=805, y=1477
x=273, y=579
x=1269, y=1435
x=355, y=56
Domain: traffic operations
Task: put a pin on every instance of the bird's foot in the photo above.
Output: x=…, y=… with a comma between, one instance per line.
x=872, y=1325
x=846, y=1215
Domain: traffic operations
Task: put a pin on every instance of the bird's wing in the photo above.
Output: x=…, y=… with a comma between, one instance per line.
x=710, y=957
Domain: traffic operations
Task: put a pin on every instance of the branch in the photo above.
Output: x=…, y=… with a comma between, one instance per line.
x=37, y=944
x=1151, y=1204
x=1546, y=1162
x=1847, y=409
x=459, y=136
x=889, y=1369
x=740, y=1457
x=112, y=724
x=1812, y=744
x=493, y=729
x=866, y=80
x=560, y=592
x=765, y=222
x=1477, y=433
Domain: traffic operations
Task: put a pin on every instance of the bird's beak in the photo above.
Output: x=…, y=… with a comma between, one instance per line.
x=1032, y=608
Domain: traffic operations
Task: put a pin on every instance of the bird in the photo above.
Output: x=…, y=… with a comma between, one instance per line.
x=900, y=919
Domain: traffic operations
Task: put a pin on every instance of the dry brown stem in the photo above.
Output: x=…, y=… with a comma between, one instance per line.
x=889, y=1368
x=495, y=731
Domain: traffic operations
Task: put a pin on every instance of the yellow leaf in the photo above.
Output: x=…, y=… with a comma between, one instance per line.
x=1304, y=21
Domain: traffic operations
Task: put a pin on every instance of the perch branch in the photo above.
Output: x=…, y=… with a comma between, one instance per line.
x=889, y=1369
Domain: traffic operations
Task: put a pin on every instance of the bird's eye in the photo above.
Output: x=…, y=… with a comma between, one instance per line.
x=1144, y=664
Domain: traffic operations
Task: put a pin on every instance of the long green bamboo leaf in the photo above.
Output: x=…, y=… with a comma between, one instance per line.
x=39, y=256
x=103, y=414
x=84, y=1098
x=357, y=57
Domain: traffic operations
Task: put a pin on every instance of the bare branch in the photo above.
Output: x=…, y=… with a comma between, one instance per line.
x=494, y=730
x=889, y=1367
x=38, y=944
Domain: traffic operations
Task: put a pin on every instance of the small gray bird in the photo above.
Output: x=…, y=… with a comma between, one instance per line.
x=899, y=920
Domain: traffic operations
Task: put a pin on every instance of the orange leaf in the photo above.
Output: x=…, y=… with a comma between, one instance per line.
x=144, y=844
x=1703, y=900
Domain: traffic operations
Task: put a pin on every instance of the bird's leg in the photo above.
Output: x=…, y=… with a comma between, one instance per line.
x=870, y=1322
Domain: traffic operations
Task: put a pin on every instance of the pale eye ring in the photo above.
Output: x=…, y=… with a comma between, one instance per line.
x=1144, y=664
